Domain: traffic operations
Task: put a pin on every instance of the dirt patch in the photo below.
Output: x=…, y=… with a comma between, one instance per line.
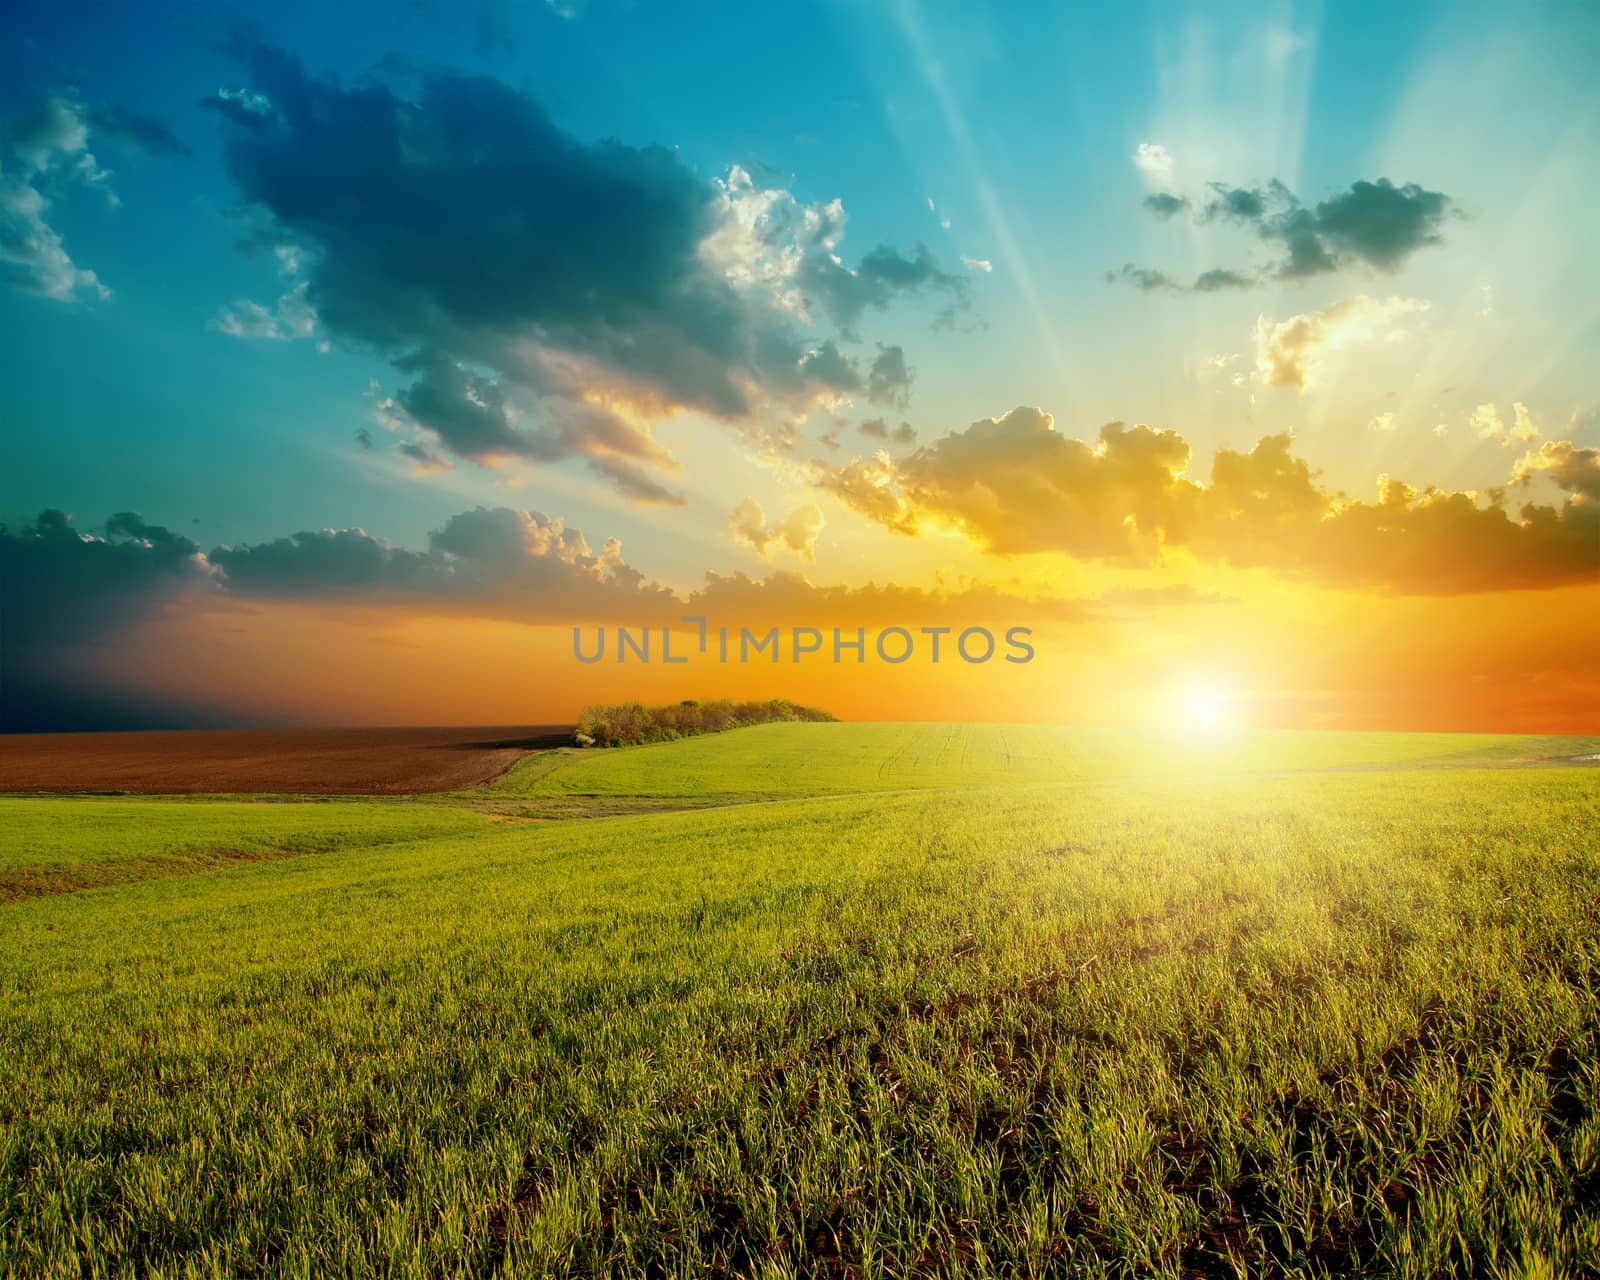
x=270, y=761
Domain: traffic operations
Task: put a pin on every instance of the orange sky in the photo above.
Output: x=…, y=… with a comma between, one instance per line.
x=1283, y=657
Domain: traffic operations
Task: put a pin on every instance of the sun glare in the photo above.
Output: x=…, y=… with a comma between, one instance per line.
x=1205, y=707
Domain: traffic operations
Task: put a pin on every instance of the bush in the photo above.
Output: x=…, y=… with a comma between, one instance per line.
x=630, y=723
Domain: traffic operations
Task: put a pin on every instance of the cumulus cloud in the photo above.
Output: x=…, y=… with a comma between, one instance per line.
x=1016, y=485
x=798, y=531
x=64, y=585
x=1153, y=161
x=1294, y=352
x=1569, y=467
x=1374, y=225
x=490, y=562
x=292, y=317
x=1489, y=425
x=64, y=592
x=52, y=140
x=1026, y=486
x=50, y=150
x=551, y=298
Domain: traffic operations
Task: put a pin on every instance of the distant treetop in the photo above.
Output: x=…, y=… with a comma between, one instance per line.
x=630, y=723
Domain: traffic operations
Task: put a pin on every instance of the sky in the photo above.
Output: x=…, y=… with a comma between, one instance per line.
x=1244, y=355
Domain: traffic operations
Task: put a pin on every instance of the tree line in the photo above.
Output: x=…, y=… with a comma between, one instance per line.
x=629, y=723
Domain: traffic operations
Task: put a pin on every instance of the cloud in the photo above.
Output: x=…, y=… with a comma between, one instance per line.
x=1018, y=485
x=1147, y=280
x=1487, y=422
x=1154, y=161
x=1294, y=352
x=1015, y=485
x=1374, y=225
x=424, y=459
x=292, y=317
x=130, y=129
x=889, y=380
x=49, y=150
x=62, y=590
x=1489, y=425
x=65, y=586
x=879, y=429
x=872, y=487
x=977, y=264
x=486, y=562
x=471, y=415
x=1165, y=205
x=550, y=298
x=798, y=531
x=50, y=142
x=1569, y=467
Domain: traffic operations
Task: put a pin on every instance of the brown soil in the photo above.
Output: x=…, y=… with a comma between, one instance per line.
x=270, y=761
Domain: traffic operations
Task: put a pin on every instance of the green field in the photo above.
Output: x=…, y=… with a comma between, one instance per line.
x=837, y=1000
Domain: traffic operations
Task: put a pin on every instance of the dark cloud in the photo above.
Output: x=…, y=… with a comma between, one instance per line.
x=879, y=429
x=1240, y=204
x=472, y=417
x=526, y=280
x=62, y=585
x=1147, y=280
x=1017, y=485
x=130, y=129
x=1220, y=278
x=884, y=274
x=828, y=367
x=487, y=562
x=1164, y=205
x=1382, y=224
x=72, y=601
x=889, y=380
x=1376, y=225
x=63, y=591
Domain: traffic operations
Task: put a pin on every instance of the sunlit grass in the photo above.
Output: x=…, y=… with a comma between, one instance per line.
x=1301, y=1014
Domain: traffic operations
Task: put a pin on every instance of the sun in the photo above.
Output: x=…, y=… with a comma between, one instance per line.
x=1206, y=707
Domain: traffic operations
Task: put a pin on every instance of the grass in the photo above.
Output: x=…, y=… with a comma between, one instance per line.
x=1303, y=1004
x=59, y=845
x=816, y=759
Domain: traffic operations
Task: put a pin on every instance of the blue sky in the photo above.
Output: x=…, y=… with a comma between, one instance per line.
x=1019, y=129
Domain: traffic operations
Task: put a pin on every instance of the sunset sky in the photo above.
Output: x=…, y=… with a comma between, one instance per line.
x=358, y=353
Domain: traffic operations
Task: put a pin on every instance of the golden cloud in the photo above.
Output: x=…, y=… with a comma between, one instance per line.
x=1015, y=485
x=1294, y=352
